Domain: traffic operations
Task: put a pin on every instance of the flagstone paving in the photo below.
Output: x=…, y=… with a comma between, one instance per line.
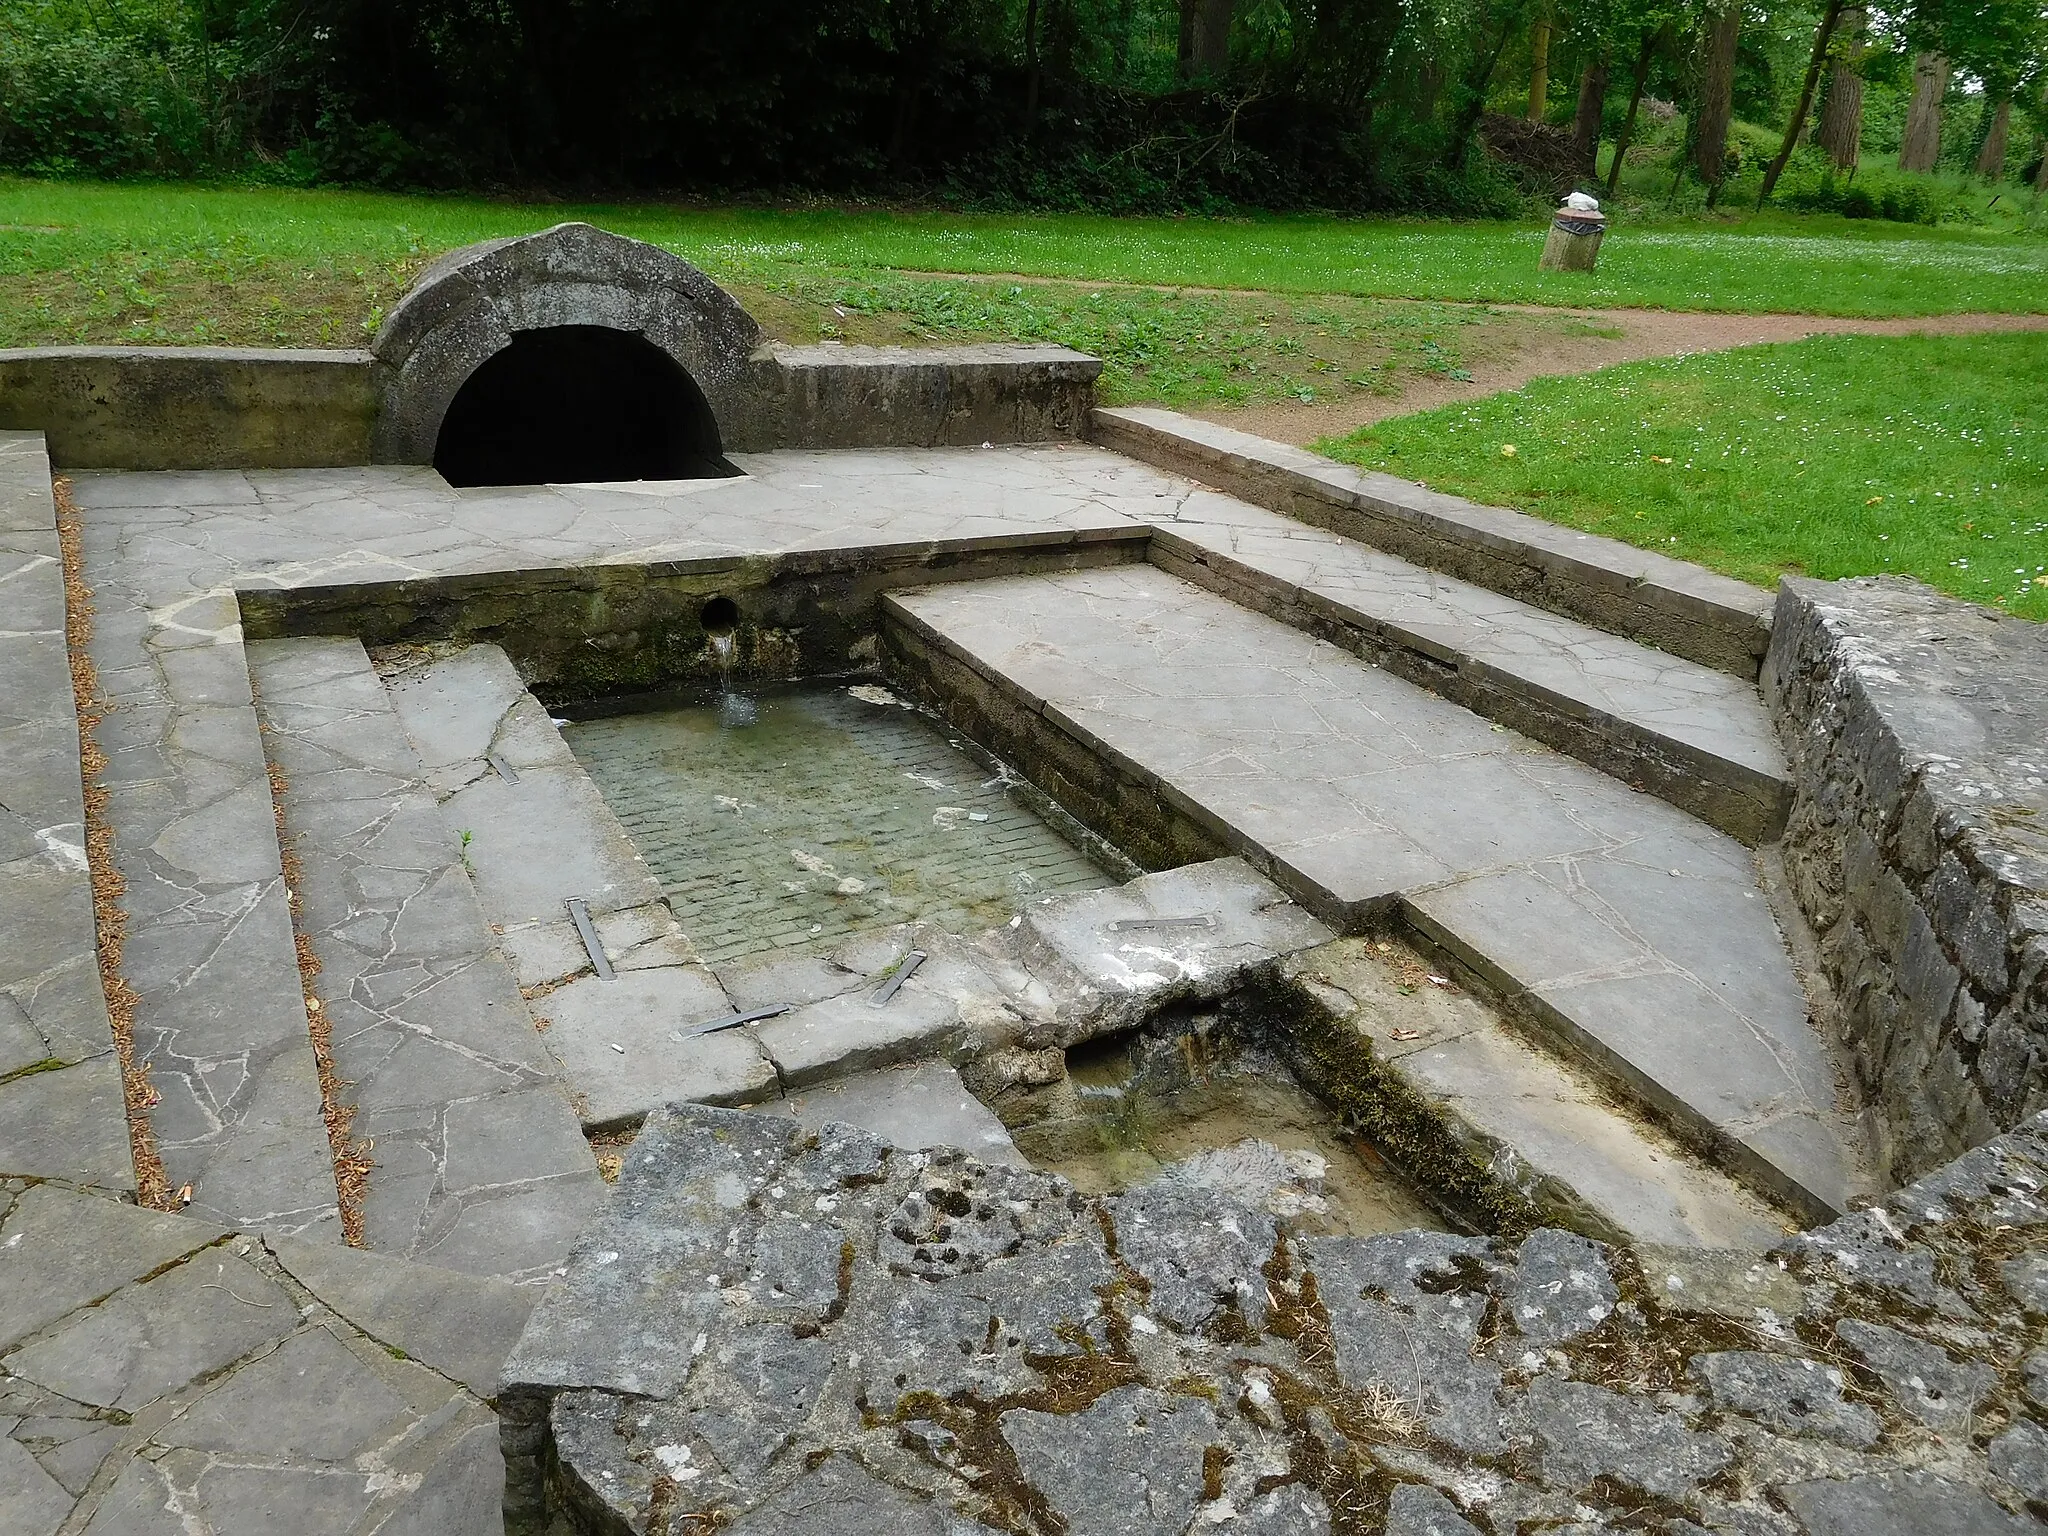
x=1554, y=885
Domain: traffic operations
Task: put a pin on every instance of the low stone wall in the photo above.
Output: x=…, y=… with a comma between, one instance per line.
x=1917, y=731
x=192, y=407
x=257, y=408
x=940, y=397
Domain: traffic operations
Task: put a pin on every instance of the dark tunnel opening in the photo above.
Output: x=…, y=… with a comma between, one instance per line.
x=578, y=403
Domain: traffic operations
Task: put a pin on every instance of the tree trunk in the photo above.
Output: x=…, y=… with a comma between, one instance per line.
x=1821, y=37
x=1473, y=98
x=1635, y=100
x=1030, y=64
x=1841, y=114
x=1586, y=120
x=1991, y=158
x=1211, y=42
x=1186, y=48
x=1921, y=148
x=1715, y=107
x=1539, y=67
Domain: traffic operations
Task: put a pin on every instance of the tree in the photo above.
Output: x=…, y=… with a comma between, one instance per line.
x=1539, y=66
x=1821, y=36
x=1591, y=108
x=1841, y=116
x=1714, y=104
x=1920, y=150
x=1991, y=155
x=1653, y=38
x=1210, y=40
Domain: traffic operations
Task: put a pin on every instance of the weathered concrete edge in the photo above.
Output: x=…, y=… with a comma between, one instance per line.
x=64, y=1115
x=306, y=408
x=1927, y=889
x=807, y=613
x=1734, y=797
x=1675, y=606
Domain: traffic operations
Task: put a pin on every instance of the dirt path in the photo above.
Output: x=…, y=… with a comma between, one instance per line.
x=1546, y=351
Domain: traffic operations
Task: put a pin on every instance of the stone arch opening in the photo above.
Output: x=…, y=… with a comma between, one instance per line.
x=574, y=403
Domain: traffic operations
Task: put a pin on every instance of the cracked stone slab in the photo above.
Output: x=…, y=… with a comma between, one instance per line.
x=625, y=1048
x=460, y=1325
x=206, y=1391
x=428, y=1029
x=60, y=1251
x=1635, y=935
x=1191, y=933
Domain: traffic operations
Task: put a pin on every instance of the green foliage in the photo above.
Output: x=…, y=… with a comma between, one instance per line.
x=1840, y=456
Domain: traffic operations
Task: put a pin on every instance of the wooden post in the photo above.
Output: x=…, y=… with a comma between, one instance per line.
x=1573, y=244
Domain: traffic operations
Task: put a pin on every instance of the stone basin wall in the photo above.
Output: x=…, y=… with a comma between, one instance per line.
x=782, y=1330
x=1917, y=732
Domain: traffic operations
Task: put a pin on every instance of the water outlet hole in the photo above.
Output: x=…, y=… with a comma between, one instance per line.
x=720, y=617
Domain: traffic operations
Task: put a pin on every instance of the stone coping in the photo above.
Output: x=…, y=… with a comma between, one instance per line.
x=1917, y=728
x=1676, y=606
x=186, y=408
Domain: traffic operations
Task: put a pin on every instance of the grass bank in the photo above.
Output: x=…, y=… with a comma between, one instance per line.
x=155, y=238
x=1839, y=456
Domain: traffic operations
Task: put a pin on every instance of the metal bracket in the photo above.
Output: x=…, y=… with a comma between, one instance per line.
x=579, y=913
x=732, y=1021
x=904, y=970
x=1130, y=924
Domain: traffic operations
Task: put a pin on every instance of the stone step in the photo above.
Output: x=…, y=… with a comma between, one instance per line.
x=220, y=1023
x=1692, y=735
x=1544, y=1135
x=480, y=1164
x=1181, y=726
x=62, y=1113
x=1671, y=604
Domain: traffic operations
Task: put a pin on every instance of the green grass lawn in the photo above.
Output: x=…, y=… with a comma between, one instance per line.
x=333, y=244
x=1839, y=456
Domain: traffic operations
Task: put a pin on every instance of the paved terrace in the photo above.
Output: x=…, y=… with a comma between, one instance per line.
x=482, y=1167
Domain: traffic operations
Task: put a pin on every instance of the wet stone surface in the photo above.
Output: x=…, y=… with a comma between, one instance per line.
x=803, y=817
x=794, y=1327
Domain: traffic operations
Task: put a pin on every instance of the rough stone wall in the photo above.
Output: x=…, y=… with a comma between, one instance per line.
x=1917, y=732
x=775, y=1329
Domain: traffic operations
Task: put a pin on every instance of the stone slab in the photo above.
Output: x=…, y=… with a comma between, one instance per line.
x=60, y=1251
x=623, y=1047
x=850, y=1033
x=1636, y=935
x=1552, y=1136
x=460, y=1325
x=1689, y=733
x=61, y=1106
x=914, y=1107
x=1131, y=948
x=756, y=1301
